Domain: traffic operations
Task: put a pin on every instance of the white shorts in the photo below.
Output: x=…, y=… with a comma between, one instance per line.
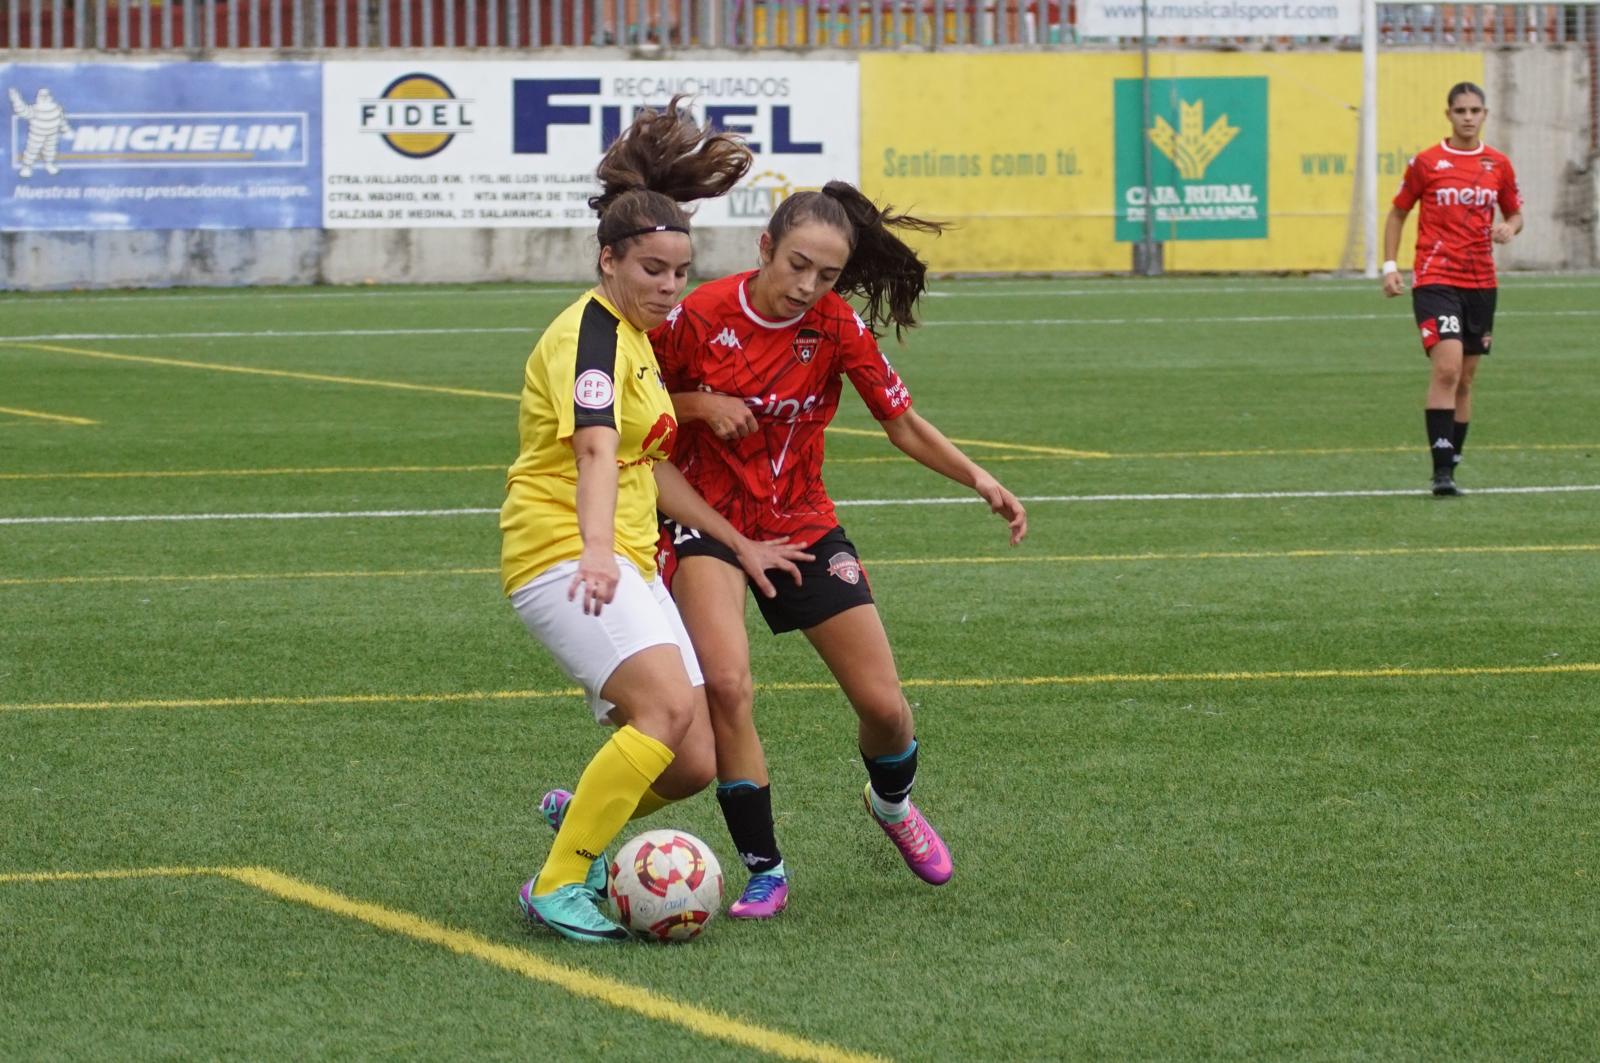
x=589, y=648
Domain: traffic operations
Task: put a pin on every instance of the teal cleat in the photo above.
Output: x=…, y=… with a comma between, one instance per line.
x=571, y=912
x=553, y=807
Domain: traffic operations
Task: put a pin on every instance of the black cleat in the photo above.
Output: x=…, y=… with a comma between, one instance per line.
x=1444, y=485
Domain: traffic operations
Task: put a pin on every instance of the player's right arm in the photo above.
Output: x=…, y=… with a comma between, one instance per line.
x=726, y=415
x=1394, y=283
x=595, y=450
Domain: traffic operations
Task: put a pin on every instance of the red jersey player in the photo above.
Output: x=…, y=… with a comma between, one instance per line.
x=756, y=363
x=1459, y=182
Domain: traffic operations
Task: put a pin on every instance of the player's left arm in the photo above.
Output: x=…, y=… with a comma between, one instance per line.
x=920, y=440
x=1510, y=207
x=1509, y=226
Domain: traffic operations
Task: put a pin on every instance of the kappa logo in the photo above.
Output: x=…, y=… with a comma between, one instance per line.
x=1430, y=331
x=806, y=343
x=1444, y=164
x=846, y=567
x=726, y=338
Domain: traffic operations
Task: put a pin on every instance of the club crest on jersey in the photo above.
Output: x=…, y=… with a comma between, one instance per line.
x=845, y=567
x=1487, y=164
x=806, y=344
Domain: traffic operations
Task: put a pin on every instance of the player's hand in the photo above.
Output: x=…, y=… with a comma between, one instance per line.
x=1394, y=284
x=728, y=417
x=1005, y=505
x=756, y=558
x=597, y=575
x=1501, y=232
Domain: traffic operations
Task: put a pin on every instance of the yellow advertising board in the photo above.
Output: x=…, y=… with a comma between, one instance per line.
x=1038, y=160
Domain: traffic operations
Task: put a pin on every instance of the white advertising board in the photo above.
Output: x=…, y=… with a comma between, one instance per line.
x=502, y=144
x=1221, y=18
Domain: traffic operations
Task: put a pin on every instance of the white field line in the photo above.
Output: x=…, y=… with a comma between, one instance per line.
x=531, y=332
x=478, y=511
x=972, y=288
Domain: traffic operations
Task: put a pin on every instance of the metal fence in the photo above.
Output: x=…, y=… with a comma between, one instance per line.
x=200, y=26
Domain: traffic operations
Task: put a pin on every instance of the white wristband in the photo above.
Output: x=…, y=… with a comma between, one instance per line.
x=1390, y=267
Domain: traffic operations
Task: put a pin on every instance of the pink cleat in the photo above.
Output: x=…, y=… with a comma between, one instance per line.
x=924, y=851
x=764, y=896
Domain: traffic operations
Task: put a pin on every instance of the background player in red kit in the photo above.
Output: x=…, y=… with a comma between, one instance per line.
x=1459, y=182
x=756, y=363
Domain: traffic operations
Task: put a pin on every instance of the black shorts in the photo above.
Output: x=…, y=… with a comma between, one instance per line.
x=1445, y=312
x=830, y=584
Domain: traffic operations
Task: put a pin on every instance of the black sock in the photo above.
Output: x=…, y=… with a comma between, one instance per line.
x=1441, y=439
x=1459, y=438
x=893, y=775
x=748, y=810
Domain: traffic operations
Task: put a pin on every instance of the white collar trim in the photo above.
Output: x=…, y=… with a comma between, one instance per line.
x=1445, y=144
x=750, y=311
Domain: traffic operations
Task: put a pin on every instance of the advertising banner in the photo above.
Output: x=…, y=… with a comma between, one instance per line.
x=1037, y=160
x=160, y=146
x=492, y=144
x=1221, y=18
x=1208, y=166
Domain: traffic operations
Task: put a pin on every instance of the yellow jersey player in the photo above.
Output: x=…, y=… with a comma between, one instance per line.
x=579, y=523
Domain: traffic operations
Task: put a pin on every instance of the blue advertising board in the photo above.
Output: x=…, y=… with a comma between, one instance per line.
x=161, y=146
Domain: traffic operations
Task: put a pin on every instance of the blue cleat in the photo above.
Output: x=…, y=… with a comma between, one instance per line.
x=571, y=912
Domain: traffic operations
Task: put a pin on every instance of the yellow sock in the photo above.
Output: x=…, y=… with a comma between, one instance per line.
x=651, y=802
x=616, y=780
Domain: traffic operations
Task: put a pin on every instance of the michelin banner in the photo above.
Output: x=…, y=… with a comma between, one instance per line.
x=161, y=146
x=492, y=144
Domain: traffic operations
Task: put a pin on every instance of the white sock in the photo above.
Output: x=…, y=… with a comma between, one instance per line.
x=889, y=811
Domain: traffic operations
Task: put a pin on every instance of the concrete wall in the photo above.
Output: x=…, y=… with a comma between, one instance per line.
x=1539, y=116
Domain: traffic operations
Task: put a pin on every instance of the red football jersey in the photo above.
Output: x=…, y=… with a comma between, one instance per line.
x=1459, y=191
x=789, y=373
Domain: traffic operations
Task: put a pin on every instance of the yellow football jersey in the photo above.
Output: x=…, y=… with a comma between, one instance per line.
x=589, y=368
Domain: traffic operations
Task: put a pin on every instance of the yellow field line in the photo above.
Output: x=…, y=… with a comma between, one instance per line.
x=330, y=470
x=1060, y=452
x=217, y=367
x=46, y=416
x=1008, y=559
x=977, y=682
x=703, y=1022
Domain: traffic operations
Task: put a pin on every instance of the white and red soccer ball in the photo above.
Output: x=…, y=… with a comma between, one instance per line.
x=667, y=885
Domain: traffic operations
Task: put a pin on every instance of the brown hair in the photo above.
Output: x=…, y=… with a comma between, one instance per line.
x=882, y=270
x=663, y=159
x=1461, y=88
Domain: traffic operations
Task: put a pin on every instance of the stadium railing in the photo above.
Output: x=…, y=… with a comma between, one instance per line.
x=202, y=26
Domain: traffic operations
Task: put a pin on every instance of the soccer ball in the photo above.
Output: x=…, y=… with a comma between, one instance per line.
x=667, y=885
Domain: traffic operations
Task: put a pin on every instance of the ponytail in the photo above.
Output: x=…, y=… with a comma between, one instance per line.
x=882, y=270
x=662, y=160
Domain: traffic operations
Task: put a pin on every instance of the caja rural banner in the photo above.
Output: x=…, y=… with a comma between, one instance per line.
x=1039, y=159
x=466, y=145
x=160, y=146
